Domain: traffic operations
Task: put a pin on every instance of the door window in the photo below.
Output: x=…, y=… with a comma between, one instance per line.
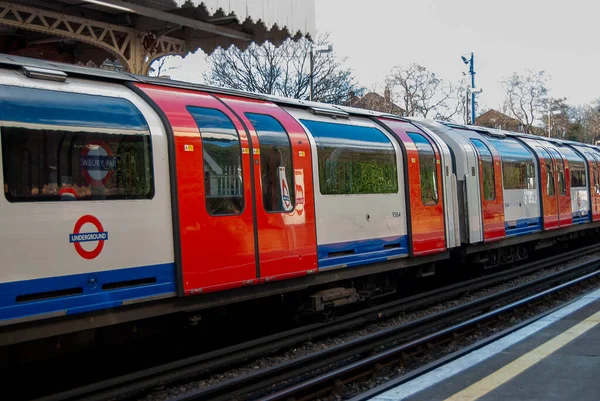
x=428, y=171
x=276, y=170
x=549, y=171
x=487, y=164
x=222, y=157
x=562, y=185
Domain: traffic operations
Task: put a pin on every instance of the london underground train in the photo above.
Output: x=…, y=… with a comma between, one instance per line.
x=129, y=196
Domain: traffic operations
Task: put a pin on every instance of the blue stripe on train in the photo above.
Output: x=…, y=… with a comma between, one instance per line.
x=84, y=292
x=355, y=253
x=580, y=217
x=523, y=226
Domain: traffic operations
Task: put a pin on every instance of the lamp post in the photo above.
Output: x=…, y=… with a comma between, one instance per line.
x=316, y=49
x=473, y=91
x=550, y=114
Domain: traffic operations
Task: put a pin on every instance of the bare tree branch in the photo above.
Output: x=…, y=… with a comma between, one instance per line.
x=526, y=96
x=422, y=93
x=159, y=67
x=282, y=71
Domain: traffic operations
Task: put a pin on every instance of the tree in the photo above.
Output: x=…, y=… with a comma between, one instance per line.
x=159, y=67
x=526, y=97
x=421, y=93
x=575, y=132
x=586, y=117
x=456, y=106
x=556, y=117
x=282, y=71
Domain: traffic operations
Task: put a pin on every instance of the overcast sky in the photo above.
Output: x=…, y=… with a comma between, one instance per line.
x=560, y=37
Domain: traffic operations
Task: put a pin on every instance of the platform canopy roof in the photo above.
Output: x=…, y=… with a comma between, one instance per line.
x=139, y=31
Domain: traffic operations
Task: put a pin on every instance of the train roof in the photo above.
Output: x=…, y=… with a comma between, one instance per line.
x=504, y=133
x=60, y=71
x=37, y=68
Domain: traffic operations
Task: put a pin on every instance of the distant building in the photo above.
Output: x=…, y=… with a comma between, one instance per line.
x=495, y=119
x=374, y=101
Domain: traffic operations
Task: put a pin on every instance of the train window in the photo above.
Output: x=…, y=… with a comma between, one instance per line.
x=277, y=174
x=594, y=161
x=518, y=168
x=60, y=146
x=487, y=164
x=353, y=159
x=428, y=171
x=518, y=174
x=562, y=185
x=577, y=167
x=577, y=174
x=222, y=161
x=549, y=171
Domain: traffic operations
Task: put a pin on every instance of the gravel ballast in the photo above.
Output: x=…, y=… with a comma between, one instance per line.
x=309, y=347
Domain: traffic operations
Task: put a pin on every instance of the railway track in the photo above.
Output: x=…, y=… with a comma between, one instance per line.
x=316, y=375
x=130, y=385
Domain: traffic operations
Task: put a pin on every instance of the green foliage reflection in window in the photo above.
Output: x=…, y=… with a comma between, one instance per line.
x=428, y=171
x=353, y=159
x=487, y=164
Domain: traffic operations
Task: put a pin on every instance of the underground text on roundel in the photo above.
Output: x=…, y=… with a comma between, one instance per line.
x=98, y=236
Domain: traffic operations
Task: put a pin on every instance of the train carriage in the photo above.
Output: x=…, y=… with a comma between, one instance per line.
x=120, y=190
x=84, y=215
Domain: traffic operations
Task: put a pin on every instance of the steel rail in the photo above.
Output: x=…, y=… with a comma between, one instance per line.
x=356, y=353
x=129, y=384
x=367, y=363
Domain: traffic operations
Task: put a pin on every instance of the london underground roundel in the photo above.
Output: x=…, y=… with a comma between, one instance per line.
x=96, y=236
x=98, y=163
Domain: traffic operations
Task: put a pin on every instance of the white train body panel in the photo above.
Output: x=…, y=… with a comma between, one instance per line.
x=136, y=260
x=520, y=204
x=357, y=227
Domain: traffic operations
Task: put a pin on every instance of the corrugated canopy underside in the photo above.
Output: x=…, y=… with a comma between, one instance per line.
x=266, y=20
x=254, y=21
x=294, y=16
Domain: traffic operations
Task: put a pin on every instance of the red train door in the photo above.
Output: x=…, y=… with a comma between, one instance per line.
x=594, y=163
x=492, y=201
x=213, y=189
x=425, y=187
x=287, y=244
x=563, y=189
x=548, y=188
